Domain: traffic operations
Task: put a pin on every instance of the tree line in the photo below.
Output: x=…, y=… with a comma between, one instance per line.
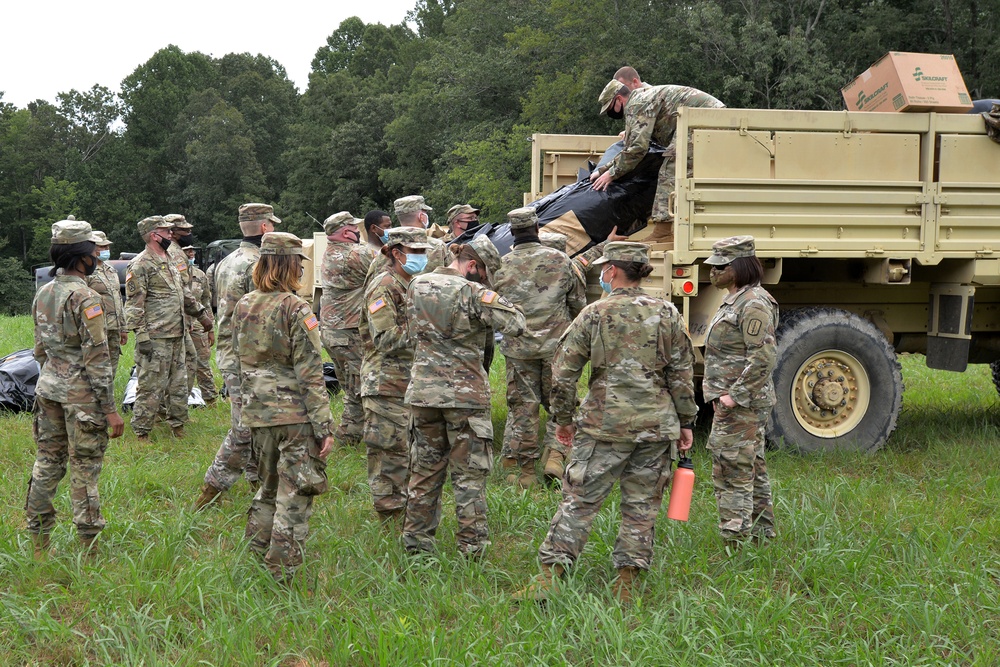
x=440, y=104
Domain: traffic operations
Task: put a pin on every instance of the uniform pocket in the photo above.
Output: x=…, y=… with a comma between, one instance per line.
x=310, y=473
x=481, y=446
x=583, y=451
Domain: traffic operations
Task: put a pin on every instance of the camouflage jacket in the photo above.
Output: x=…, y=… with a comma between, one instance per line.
x=156, y=301
x=542, y=282
x=641, y=370
x=180, y=259
x=345, y=267
x=202, y=292
x=437, y=256
x=651, y=115
x=233, y=280
x=277, y=350
x=71, y=344
x=440, y=232
x=741, y=349
x=448, y=318
x=385, y=368
x=105, y=282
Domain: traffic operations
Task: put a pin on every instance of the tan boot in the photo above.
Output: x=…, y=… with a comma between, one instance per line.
x=554, y=466
x=142, y=438
x=626, y=585
x=41, y=542
x=508, y=462
x=89, y=546
x=208, y=494
x=177, y=431
x=528, y=478
x=544, y=584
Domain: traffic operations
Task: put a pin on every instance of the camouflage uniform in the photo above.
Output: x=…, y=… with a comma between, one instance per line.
x=345, y=267
x=449, y=396
x=277, y=349
x=73, y=396
x=651, y=116
x=740, y=354
x=641, y=391
x=438, y=255
x=203, y=293
x=155, y=308
x=542, y=282
x=178, y=256
x=106, y=283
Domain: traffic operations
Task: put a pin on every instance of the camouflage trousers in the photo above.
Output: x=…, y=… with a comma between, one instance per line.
x=190, y=359
x=347, y=361
x=115, y=350
x=529, y=382
x=463, y=438
x=642, y=470
x=386, y=424
x=237, y=454
x=739, y=473
x=666, y=181
x=162, y=380
x=291, y=473
x=206, y=381
x=77, y=434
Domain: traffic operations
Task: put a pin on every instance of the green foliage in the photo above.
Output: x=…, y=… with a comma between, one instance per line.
x=17, y=288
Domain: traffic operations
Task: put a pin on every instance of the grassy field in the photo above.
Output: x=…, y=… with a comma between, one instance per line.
x=888, y=559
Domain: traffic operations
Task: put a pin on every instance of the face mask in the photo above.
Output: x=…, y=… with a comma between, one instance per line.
x=415, y=264
x=475, y=277
x=185, y=241
x=91, y=266
x=349, y=233
x=191, y=261
x=164, y=243
x=605, y=286
x=721, y=278
x=104, y=255
x=385, y=236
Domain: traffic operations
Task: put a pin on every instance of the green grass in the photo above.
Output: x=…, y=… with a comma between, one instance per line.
x=888, y=559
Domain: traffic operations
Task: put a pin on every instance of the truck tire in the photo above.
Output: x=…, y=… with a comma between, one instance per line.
x=838, y=383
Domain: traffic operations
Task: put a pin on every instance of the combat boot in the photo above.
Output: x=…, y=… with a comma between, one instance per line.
x=526, y=479
x=142, y=438
x=177, y=431
x=544, y=584
x=208, y=494
x=89, y=543
x=508, y=462
x=554, y=466
x=626, y=584
x=41, y=542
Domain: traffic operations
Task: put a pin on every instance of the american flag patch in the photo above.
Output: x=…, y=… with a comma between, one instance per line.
x=584, y=261
x=376, y=305
x=93, y=312
x=311, y=322
x=128, y=276
x=182, y=266
x=489, y=296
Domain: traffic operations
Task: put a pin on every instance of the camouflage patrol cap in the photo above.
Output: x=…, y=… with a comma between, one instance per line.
x=624, y=251
x=146, y=225
x=728, y=249
x=609, y=93
x=103, y=238
x=459, y=209
x=488, y=254
x=258, y=212
x=411, y=237
x=410, y=204
x=553, y=240
x=66, y=232
x=522, y=218
x=282, y=243
x=338, y=220
x=178, y=221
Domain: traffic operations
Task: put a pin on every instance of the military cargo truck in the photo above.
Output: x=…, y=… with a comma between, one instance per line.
x=879, y=234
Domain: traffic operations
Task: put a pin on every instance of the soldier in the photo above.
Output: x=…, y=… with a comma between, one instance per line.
x=640, y=400
x=155, y=310
x=650, y=115
x=385, y=370
x=181, y=236
x=376, y=224
x=345, y=267
x=105, y=282
x=740, y=354
x=277, y=348
x=202, y=292
x=233, y=279
x=448, y=314
x=460, y=217
x=412, y=212
x=74, y=396
x=543, y=284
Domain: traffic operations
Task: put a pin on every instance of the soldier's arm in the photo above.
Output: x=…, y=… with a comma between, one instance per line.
x=136, y=286
x=757, y=326
x=117, y=296
x=195, y=308
x=358, y=264
x=308, y=362
x=571, y=356
x=386, y=325
x=39, y=352
x=94, y=345
x=679, y=370
x=497, y=312
x=576, y=290
x=638, y=134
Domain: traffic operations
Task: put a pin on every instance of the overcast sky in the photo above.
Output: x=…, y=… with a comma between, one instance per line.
x=52, y=47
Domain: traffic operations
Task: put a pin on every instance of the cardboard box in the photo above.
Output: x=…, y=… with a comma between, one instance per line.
x=909, y=82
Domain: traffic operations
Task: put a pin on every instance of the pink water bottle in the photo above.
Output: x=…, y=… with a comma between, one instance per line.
x=681, y=489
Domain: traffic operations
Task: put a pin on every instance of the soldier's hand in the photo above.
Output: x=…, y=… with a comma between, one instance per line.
x=123, y=338
x=615, y=236
x=327, y=447
x=145, y=347
x=211, y=337
x=564, y=434
x=117, y=424
x=687, y=440
x=727, y=401
x=602, y=182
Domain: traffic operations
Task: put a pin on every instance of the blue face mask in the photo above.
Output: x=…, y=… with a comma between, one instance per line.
x=104, y=255
x=191, y=262
x=605, y=286
x=415, y=264
x=385, y=236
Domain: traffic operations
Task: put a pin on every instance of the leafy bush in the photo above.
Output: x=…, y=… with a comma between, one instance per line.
x=17, y=288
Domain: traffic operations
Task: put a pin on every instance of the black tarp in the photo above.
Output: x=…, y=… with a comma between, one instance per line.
x=18, y=377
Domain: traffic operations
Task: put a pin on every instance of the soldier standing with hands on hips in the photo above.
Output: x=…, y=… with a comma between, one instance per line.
x=74, y=396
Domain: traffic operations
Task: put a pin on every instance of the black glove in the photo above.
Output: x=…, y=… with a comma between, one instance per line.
x=145, y=347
